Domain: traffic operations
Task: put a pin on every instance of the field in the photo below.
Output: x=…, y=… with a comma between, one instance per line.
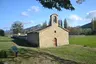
x=5, y=42
x=83, y=40
x=77, y=53
x=82, y=50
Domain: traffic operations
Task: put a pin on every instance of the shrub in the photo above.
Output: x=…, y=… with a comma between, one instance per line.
x=1, y=62
x=3, y=54
x=85, y=45
x=22, y=51
x=2, y=32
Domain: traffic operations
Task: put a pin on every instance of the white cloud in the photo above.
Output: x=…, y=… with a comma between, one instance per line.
x=91, y=14
x=34, y=9
x=75, y=20
x=30, y=10
x=24, y=13
x=75, y=17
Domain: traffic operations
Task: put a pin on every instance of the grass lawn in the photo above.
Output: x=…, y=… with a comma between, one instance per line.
x=5, y=42
x=83, y=40
x=77, y=53
x=5, y=45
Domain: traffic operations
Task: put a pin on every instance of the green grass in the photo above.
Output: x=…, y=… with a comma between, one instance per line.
x=76, y=53
x=5, y=39
x=5, y=42
x=5, y=45
x=83, y=40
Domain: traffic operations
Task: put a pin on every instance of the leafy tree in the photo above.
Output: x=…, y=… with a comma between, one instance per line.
x=58, y=4
x=2, y=33
x=17, y=27
x=87, y=31
x=94, y=25
x=79, y=31
x=75, y=30
x=65, y=23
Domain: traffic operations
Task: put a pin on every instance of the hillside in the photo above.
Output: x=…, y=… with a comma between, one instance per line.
x=89, y=25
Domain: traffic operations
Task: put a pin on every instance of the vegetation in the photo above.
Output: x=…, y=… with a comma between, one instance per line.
x=65, y=24
x=94, y=26
x=76, y=54
x=80, y=31
x=58, y=4
x=2, y=32
x=44, y=25
x=60, y=23
x=3, y=54
x=33, y=56
x=83, y=55
x=17, y=27
x=83, y=40
x=5, y=42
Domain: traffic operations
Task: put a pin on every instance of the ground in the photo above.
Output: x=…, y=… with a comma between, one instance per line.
x=5, y=42
x=84, y=40
x=83, y=53
x=76, y=53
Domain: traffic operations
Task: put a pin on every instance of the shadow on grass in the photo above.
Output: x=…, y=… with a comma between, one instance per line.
x=22, y=42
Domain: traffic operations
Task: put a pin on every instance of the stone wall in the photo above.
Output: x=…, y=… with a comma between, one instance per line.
x=33, y=38
x=47, y=36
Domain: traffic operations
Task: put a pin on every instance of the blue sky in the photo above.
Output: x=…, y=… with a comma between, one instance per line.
x=31, y=12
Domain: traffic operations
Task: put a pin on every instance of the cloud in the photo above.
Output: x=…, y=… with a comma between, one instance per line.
x=34, y=9
x=75, y=17
x=75, y=20
x=30, y=10
x=91, y=14
x=24, y=13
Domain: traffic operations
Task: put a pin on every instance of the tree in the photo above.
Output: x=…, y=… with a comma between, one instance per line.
x=17, y=27
x=65, y=23
x=58, y=4
x=75, y=30
x=44, y=25
x=60, y=23
x=49, y=24
x=94, y=26
x=2, y=33
x=87, y=31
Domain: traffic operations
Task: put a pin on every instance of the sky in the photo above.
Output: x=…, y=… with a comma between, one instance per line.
x=31, y=13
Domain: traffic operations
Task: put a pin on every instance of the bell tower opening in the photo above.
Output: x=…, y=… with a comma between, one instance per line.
x=54, y=19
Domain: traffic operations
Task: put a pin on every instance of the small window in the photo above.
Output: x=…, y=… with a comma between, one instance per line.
x=54, y=31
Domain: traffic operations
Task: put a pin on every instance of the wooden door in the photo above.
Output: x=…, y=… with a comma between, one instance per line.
x=55, y=41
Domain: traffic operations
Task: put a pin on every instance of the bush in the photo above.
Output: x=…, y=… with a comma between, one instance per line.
x=10, y=53
x=1, y=62
x=2, y=32
x=3, y=54
x=85, y=45
x=22, y=51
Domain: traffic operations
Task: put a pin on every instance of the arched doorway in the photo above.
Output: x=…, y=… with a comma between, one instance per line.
x=55, y=41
